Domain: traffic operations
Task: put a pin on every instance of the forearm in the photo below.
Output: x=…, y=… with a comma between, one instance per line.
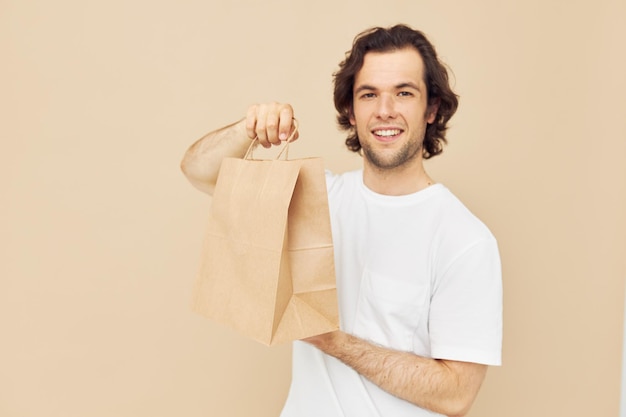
x=446, y=387
x=201, y=162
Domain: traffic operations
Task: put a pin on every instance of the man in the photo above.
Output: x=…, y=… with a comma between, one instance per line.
x=418, y=276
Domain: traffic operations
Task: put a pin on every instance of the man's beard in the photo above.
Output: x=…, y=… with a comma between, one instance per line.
x=408, y=152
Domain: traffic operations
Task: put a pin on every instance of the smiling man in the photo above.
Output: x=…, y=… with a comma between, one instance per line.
x=390, y=113
x=418, y=275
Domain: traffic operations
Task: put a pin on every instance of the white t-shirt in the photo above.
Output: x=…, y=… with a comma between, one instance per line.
x=417, y=273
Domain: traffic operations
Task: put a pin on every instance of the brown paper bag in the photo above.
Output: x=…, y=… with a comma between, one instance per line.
x=267, y=266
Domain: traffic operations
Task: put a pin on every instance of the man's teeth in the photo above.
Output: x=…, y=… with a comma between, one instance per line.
x=387, y=132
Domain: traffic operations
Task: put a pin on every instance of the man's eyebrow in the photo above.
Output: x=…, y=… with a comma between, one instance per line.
x=364, y=87
x=409, y=85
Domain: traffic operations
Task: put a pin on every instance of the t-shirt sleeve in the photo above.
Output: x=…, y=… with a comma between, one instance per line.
x=466, y=309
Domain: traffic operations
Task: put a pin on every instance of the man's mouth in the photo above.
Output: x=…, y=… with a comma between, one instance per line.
x=386, y=134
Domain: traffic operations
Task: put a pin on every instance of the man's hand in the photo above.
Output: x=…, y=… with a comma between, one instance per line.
x=323, y=341
x=271, y=123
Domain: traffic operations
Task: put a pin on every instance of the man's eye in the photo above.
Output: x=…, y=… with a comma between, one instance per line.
x=405, y=94
x=368, y=95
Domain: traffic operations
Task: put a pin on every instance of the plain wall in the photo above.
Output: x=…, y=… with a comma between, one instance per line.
x=101, y=234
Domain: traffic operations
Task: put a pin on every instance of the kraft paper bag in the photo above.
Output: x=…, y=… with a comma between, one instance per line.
x=267, y=266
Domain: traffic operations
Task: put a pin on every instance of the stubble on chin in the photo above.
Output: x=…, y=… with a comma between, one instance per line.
x=391, y=161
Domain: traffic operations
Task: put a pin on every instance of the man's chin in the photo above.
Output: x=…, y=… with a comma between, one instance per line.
x=385, y=160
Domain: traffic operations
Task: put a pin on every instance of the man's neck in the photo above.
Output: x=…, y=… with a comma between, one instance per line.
x=403, y=180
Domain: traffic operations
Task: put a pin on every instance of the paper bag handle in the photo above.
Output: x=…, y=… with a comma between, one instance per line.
x=285, y=147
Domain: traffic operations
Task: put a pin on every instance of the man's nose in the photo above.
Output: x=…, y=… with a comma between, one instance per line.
x=386, y=107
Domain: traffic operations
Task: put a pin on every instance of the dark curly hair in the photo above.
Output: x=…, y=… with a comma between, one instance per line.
x=435, y=77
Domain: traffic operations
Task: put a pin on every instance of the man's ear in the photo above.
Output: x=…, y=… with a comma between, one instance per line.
x=433, y=108
x=351, y=118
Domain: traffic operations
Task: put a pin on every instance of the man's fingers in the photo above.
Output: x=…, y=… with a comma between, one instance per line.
x=261, y=125
x=285, y=127
x=270, y=123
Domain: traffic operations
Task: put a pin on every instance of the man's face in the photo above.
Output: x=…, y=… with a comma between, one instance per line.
x=390, y=110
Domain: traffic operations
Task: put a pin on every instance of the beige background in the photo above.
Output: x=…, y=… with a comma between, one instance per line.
x=101, y=234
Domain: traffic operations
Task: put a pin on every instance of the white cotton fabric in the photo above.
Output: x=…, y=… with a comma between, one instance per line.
x=417, y=273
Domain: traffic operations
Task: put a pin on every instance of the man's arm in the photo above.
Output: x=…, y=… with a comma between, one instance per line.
x=443, y=386
x=269, y=123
